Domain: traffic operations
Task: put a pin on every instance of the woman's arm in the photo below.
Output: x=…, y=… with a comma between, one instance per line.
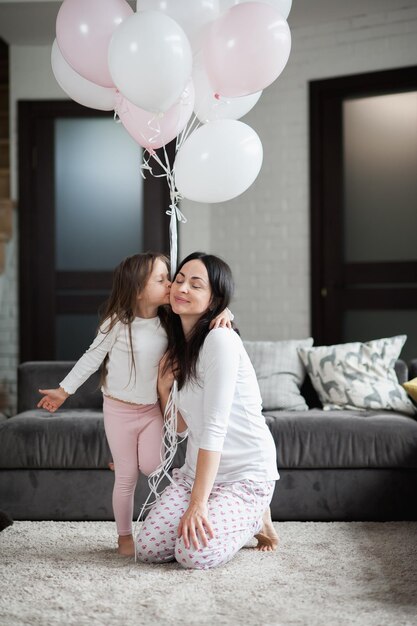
x=220, y=362
x=196, y=517
x=165, y=382
x=163, y=400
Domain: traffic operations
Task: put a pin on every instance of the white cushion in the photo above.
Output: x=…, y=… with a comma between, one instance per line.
x=280, y=372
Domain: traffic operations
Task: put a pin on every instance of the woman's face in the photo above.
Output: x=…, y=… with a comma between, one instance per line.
x=191, y=290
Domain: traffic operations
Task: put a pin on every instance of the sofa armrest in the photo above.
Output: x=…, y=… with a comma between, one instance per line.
x=401, y=370
x=34, y=375
x=412, y=369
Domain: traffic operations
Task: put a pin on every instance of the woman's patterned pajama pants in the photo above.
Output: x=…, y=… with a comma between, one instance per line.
x=235, y=513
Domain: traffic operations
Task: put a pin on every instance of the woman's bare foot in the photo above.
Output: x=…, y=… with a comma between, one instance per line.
x=267, y=538
x=126, y=545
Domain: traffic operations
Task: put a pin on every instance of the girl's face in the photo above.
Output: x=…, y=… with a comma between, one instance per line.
x=191, y=291
x=156, y=290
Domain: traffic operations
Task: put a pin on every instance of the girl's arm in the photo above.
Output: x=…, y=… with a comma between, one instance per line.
x=84, y=367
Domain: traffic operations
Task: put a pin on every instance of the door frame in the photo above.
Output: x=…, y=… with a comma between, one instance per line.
x=337, y=286
x=38, y=278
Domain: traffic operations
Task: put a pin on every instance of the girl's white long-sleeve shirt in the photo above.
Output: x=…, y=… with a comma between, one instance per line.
x=223, y=412
x=123, y=381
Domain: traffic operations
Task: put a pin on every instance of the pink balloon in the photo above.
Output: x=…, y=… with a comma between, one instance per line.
x=151, y=130
x=83, y=32
x=246, y=49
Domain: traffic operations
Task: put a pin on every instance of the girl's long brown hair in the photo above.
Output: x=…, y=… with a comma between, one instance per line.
x=129, y=280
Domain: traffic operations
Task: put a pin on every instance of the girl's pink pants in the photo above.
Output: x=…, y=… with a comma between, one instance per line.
x=134, y=433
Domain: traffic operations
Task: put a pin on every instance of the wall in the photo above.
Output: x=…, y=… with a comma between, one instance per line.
x=30, y=78
x=264, y=234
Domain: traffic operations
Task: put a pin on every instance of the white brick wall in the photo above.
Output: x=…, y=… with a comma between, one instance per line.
x=264, y=234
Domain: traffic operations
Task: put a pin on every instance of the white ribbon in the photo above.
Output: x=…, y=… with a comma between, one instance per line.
x=175, y=214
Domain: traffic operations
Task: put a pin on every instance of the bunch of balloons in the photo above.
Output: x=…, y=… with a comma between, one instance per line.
x=178, y=68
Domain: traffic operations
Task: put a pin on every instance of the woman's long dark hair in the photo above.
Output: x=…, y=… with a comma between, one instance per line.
x=183, y=352
x=129, y=280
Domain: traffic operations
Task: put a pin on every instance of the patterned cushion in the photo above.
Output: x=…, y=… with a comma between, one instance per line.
x=280, y=372
x=358, y=375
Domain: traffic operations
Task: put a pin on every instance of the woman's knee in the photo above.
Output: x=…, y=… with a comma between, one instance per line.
x=191, y=558
x=149, y=554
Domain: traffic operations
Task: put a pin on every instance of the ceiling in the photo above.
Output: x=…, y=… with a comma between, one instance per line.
x=30, y=22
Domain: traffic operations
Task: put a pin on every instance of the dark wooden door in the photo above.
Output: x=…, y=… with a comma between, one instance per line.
x=360, y=296
x=47, y=294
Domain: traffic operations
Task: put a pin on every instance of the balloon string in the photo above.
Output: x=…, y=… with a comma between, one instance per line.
x=194, y=124
x=175, y=214
x=173, y=211
x=146, y=167
x=118, y=108
x=156, y=130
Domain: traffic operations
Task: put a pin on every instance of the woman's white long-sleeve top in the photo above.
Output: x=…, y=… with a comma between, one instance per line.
x=123, y=381
x=223, y=412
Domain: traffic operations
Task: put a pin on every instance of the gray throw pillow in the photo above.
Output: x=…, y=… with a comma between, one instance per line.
x=280, y=372
x=358, y=375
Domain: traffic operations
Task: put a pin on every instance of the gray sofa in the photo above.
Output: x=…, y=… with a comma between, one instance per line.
x=334, y=465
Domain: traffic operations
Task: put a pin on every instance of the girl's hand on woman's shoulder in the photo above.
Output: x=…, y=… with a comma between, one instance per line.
x=223, y=320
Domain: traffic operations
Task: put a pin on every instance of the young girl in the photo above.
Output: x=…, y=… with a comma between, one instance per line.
x=130, y=342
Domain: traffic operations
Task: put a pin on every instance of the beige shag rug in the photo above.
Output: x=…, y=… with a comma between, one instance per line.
x=335, y=574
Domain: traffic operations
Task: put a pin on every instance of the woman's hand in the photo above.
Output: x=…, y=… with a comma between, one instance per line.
x=165, y=376
x=52, y=399
x=195, y=520
x=223, y=320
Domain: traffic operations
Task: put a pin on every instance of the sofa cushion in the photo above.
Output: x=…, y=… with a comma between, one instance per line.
x=358, y=375
x=280, y=372
x=69, y=438
x=343, y=439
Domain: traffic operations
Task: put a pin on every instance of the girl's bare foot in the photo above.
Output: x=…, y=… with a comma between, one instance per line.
x=267, y=538
x=126, y=545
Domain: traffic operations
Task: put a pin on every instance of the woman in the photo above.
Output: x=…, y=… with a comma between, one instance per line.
x=226, y=484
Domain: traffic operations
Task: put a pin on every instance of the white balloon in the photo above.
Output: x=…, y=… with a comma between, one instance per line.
x=282, y=6
x=192, y=15
x=218, y=162
x=79, y=88
x=210, y=106
x=150, y=60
